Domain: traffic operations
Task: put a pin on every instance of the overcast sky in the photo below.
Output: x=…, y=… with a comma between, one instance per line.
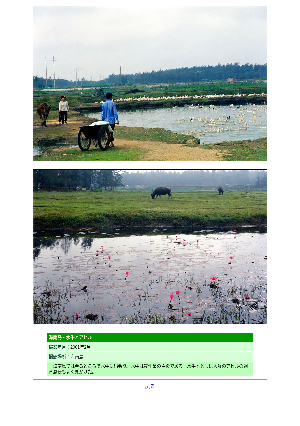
x=97, y=41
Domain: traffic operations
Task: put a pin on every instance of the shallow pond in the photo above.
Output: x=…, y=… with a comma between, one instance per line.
x=209, y=123
x=220, y=277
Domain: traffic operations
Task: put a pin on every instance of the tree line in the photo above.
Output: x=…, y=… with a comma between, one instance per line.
x=147, y=180
x=77, y=179
x=178, y=75
x=192, y=75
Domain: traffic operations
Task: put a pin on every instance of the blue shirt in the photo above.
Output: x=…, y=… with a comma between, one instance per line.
x=109, y=112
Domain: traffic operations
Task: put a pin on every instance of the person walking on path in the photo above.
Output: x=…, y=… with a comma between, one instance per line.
x=110, y=114
x=63, y=108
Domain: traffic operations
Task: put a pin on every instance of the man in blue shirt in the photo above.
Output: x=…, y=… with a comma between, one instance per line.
x=110, y=114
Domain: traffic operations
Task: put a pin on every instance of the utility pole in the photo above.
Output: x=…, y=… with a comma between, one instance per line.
x=46, y=74
x=54, y=60
x=77, y=69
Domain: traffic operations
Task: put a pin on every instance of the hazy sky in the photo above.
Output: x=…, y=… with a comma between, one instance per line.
x=97, y=41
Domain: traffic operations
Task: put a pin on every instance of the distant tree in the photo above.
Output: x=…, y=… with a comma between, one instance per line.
x=194, y=74
x=261, y=180
x=99, y=92
x=39, y=82
x=70, y=179
x=107, y=179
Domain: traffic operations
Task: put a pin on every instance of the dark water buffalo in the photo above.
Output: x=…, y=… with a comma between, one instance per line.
x=43, y=111
x=161, y=190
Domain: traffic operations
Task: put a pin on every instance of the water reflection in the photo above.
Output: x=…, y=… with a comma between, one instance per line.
x=130, y=279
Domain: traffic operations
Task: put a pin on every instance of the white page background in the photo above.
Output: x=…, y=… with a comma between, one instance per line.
x=179, y=401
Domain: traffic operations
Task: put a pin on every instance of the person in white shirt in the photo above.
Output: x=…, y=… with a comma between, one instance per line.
x=63, y=108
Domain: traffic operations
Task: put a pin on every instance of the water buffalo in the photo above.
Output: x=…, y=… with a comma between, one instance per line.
x=161, y=190
x=43, y=110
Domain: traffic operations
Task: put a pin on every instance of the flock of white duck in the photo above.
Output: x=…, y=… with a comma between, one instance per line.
x=239, y=119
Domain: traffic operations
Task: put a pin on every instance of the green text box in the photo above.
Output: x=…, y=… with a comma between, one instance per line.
x=149, y=369
x=149, y=337
x=151, y=356
x=150, y=346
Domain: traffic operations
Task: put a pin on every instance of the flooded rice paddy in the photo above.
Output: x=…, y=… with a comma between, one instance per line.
x=211, y=124
x=185, y=278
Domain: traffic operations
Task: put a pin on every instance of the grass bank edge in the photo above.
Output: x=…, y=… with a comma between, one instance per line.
x=140, y=221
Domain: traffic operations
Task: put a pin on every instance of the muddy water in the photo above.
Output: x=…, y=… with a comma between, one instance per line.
x=220, y=277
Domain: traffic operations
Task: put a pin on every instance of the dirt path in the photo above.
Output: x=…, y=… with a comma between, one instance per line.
x=159, y=151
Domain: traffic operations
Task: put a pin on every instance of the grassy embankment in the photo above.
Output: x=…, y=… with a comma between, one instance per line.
x=103, y=210
x=82, y=98
x=60, y=142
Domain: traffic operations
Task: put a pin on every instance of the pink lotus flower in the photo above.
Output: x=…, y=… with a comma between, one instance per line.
x=171, y=296
x=231, y=257
x=127, y=273
x=77, y=315
x=247, y=296
x=213, y=278
x=96, y=232
x=109, y=257
x=189, y=313
x=178, y=292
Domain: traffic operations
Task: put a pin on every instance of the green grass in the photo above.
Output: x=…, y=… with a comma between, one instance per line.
x=255, y=150
x=93, y=154
x=59, y=210
x=153, y=134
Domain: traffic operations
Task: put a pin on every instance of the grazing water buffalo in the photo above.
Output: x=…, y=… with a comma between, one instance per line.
x=43, y=111
x=161, y=190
